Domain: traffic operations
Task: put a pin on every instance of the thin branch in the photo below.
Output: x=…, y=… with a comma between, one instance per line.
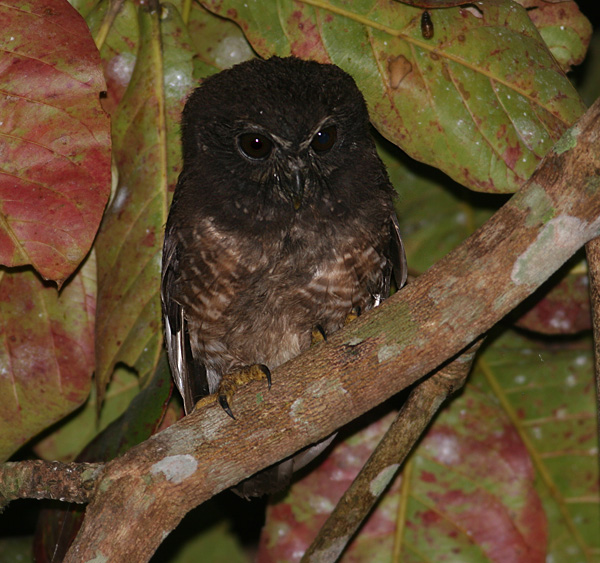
x=592, y=250
x=385, y=462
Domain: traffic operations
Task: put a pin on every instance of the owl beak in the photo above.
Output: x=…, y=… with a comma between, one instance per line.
x=297, y=188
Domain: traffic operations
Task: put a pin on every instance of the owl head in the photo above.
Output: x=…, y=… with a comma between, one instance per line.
x=278, y=136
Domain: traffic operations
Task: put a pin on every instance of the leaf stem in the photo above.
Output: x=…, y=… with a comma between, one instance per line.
x=107, y=21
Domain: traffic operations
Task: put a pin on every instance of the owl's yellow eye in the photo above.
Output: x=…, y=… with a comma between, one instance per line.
x=255, y=145
x=324, y=139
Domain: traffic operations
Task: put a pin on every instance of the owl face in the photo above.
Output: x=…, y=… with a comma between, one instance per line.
x=289, y=129
x=289, y=167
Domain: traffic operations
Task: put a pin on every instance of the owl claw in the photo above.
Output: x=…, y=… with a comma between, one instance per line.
x=225, y=406
x=317, y=335
x=237, y=378
x=267, y=373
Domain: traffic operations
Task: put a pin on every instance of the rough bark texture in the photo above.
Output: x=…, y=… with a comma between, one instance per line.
x=70, y=482
x=592, y=251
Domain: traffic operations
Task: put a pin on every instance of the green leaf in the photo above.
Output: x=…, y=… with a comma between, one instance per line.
x=564, y=29
x=16, y=549
x=72, y=433
x=589, y=85
x=146, y=139
x=218, y=42
x=483, y=100
x=118, y=50
x=140, y=420
x=435, y=214
x=84, y=7
x=217, y=543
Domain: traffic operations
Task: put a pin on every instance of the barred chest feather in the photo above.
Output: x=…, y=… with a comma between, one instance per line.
x=257, y=301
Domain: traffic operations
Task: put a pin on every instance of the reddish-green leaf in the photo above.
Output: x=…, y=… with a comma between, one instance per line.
x=54, y=138
x=471, y=496
x=482, y=100
x=146, y=139
x=566, y=32
x=46, y=352
x=472, y=488
x=548, y=392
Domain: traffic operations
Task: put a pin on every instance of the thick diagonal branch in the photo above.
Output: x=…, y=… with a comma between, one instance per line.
x=152, y=486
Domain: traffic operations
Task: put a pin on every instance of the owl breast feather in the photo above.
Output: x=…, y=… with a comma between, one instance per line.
x=258, y=301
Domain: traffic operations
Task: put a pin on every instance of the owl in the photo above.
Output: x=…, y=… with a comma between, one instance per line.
x=281, y=228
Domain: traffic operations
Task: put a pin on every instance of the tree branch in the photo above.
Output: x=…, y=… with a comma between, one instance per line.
x=592, y=251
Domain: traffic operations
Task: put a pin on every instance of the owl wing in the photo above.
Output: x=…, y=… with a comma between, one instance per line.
x=396, y=253
x=189, y=375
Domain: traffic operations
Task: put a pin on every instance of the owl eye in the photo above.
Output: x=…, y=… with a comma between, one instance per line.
x=324, y=139
x=255, y=145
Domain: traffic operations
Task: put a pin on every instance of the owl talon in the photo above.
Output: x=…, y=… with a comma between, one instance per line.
x=225, y=406
x=317, y=335
x=267, y=373
x=237, y=378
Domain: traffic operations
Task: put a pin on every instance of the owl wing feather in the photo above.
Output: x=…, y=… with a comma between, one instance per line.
x=189, y=375
x=397, y=255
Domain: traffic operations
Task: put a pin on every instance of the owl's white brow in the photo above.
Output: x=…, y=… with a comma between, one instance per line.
x=286, y=143
x=322, y=124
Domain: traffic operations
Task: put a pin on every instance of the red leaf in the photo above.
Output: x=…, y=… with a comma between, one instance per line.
x=46, y=351
x=471, y=495
x=54, y=138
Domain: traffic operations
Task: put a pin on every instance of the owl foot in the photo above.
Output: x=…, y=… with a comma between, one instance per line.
x=352, y=315
x=237, y=378
x=317, y=335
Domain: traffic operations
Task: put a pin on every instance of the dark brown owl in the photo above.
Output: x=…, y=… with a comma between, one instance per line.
x=281, y=223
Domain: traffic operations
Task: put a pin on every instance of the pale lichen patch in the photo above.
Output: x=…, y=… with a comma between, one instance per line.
x=556, y=242
x=539, y=203
x=175, y=468
x=332, y=551
x=387, y=352
x=568, y=140
x=382, y=479
x=100, y=558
